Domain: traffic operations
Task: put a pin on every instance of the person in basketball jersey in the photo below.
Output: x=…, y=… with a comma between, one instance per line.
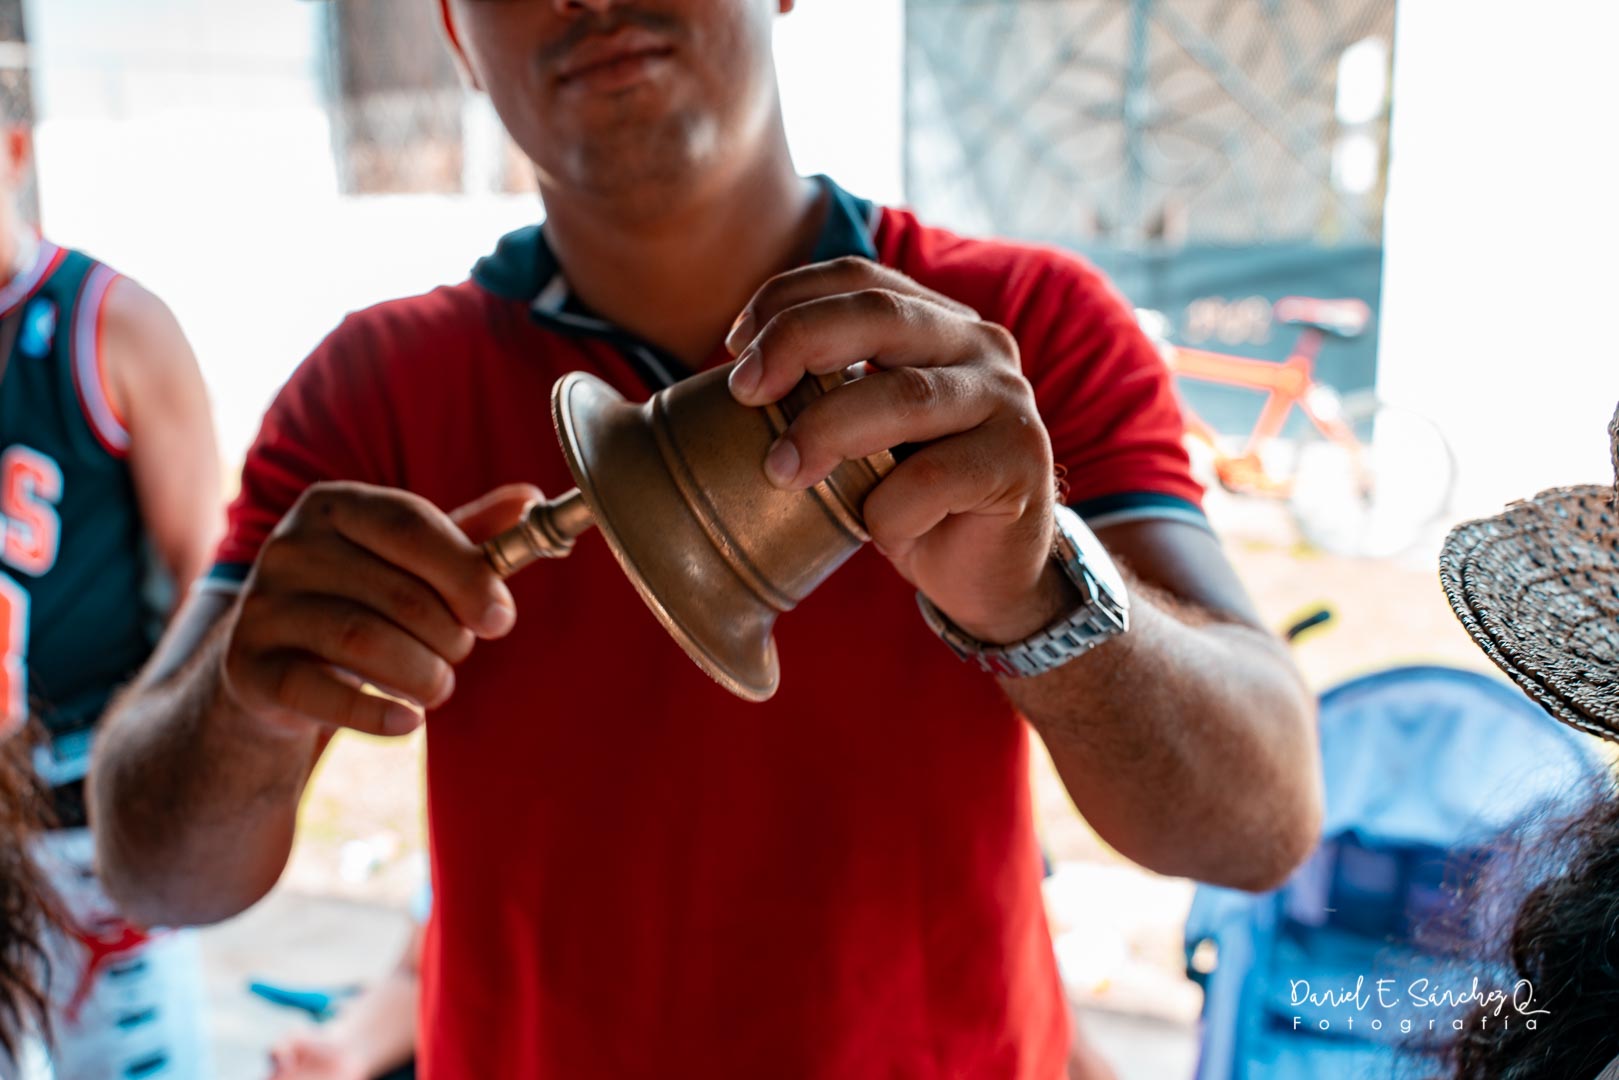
x=110, y=503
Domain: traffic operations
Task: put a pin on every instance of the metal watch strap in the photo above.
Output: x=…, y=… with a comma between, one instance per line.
x=1103, y=614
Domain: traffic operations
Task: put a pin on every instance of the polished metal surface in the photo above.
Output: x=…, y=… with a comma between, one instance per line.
x=677, y=487
x=547, y=531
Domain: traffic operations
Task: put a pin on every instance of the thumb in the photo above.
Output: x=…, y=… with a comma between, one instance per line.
x=500, y=509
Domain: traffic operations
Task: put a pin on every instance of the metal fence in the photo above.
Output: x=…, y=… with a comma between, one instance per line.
x=1130, y=122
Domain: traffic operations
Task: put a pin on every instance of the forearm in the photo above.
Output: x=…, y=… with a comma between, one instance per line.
x=1188, y=744
x=193, y=803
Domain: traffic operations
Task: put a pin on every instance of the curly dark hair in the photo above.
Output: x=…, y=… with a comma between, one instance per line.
x=27, y=904
x=1563, y=875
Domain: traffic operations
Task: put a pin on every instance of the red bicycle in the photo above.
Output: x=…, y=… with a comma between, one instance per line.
x=1360, y=477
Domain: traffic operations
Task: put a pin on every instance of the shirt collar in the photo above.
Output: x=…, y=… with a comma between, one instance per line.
x=522, y=267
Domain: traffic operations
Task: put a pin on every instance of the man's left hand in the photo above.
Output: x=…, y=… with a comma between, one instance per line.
x=966, y=517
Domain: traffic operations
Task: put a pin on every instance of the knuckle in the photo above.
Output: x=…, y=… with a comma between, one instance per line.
x=1025, y=445
x=282, y=684
x=407, y=604
x=879, y=526
x=928, y=473
x=999, y=341
x=355, y=634
x=1039, y=441
x=273, y=557
x=778, y=292
x=1032, y=435
x=770, y=295
x=915, y=391
x=1012, y=386
x=475, y=586
x=885, y=304
x=240, y=674
x=787, y=332
x=319, y=502
x=361, y=712
x=846, y=271
x=885, y=531
x=286, y=558
x=401, y=516
x=255, y=614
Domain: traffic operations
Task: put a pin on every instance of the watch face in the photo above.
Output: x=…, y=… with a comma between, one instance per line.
x=1094, y=555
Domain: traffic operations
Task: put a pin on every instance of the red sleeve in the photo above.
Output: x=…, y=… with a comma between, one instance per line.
x=323, y=425
x=1106, y=397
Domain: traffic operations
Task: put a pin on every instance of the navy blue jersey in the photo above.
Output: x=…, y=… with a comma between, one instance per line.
x=74, y=623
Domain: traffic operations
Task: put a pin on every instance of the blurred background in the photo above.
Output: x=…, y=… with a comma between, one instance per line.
x=1434, y=170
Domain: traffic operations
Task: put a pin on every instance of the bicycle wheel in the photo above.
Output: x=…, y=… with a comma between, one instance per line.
x=1375, y=495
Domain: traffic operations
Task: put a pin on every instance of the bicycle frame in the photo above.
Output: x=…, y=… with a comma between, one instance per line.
x=1286, y=385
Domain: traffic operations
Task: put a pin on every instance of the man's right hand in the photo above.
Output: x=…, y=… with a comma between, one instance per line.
x=362, y=584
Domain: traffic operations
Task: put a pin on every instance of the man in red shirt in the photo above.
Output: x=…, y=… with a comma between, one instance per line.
x=637, y=874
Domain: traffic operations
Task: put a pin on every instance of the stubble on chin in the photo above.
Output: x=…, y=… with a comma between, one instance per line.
x=642, y=168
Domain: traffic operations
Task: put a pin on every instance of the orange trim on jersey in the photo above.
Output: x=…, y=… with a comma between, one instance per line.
x=89, y=374
x=101, y=359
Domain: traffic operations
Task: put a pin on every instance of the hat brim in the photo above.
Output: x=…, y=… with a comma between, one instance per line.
x=1537, y=587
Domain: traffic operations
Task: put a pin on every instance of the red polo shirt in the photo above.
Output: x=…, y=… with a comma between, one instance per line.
x=639, y=875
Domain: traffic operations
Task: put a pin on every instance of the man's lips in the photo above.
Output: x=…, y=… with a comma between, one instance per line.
x=619, y=58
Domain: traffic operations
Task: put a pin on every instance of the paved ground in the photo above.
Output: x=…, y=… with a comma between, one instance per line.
x=295, y=939
x=300, y=939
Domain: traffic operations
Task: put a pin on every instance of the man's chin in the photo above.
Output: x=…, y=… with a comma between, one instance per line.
x=640, y=163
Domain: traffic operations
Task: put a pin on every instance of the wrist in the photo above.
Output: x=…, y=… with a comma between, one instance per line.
x=228, y=712
x=1049, y=598
x=1093, y=608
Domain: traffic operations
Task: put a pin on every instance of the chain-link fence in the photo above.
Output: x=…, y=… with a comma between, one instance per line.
x=1126, y=122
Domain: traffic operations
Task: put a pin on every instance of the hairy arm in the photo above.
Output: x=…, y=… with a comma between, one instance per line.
x=194, y=802
x=1189, y=742
x=155, y=385
x=199, y=767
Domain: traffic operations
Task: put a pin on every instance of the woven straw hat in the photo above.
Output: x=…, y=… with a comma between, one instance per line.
x=1538, y=588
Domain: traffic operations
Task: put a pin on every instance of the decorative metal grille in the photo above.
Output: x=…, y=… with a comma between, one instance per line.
x=1125, y=122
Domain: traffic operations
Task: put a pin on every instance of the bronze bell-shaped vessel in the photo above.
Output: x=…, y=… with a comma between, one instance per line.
x=677, y=487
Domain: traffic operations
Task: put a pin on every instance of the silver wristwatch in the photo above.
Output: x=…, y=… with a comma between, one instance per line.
x=1103, y=612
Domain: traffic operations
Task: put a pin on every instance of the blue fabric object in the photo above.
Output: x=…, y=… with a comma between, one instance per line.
x=1423, y=766
x=318, y=1004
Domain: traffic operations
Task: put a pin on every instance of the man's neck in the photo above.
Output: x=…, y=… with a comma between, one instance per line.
x=679, y=279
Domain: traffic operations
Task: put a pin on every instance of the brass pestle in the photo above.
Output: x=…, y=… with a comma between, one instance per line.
x=677, y=487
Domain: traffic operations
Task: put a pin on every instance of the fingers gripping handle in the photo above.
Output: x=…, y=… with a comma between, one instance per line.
x=547, y=531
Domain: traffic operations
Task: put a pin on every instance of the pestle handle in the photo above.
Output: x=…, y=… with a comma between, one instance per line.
x=547, y=531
